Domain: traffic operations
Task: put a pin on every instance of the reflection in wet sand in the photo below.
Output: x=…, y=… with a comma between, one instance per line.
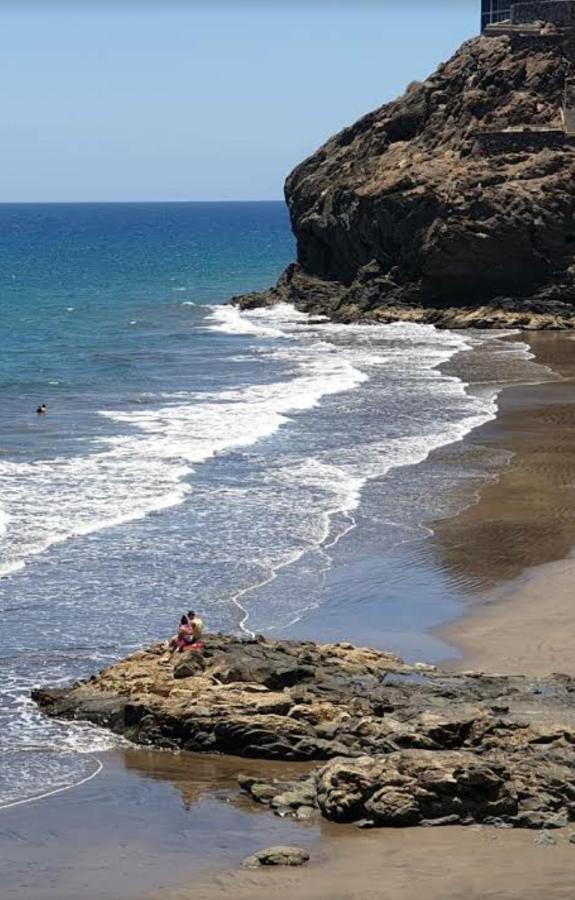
x=150, y=820
x=197, y=776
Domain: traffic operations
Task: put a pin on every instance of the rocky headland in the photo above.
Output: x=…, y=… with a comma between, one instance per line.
x=453, y=205
x=393, y=744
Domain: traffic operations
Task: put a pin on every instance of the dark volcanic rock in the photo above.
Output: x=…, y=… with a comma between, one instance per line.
x=402, y=215
x=401, y=745
x=189, y=664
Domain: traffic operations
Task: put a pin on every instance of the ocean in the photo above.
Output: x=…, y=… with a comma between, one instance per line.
x=265, y=469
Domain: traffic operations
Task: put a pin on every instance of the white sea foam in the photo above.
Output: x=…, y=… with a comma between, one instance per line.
x=146, y=469
x=4, y=519
x=405, y=354
x=40, y=757
x=231, y=320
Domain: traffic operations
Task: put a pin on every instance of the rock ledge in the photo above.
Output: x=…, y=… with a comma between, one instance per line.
x=396, y=744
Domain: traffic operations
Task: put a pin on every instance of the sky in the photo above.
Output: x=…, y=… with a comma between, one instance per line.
x=135, y=101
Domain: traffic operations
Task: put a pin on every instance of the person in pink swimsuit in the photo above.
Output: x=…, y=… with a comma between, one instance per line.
x=183, y=638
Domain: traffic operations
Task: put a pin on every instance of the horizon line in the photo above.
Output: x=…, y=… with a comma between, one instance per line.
x=125, y=202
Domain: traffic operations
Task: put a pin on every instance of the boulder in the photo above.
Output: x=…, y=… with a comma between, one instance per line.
x=273, y=673
x=277, y=856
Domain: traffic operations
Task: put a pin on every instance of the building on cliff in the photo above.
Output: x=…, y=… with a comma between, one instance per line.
x=524, y=12
x=493, y=11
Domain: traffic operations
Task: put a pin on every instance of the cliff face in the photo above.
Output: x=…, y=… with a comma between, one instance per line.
x=411, y=213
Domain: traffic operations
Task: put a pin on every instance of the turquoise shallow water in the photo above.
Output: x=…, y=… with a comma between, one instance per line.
x=263, y=469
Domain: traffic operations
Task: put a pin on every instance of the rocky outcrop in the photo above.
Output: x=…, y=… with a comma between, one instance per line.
x=404, y=215
x=415, y=787
x=268, y=699
x=398, y=744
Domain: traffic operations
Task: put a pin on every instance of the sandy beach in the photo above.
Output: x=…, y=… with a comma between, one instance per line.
x=440, y=864
x=515, y=544
x=526, y=628
x=513, y=548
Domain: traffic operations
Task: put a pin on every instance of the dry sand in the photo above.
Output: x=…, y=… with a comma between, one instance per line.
x=436, y=864
x=527, y=629
x=514, y=549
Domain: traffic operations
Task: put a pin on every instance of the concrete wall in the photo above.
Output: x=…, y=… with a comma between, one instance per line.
x=560, y=12
x=494, y=142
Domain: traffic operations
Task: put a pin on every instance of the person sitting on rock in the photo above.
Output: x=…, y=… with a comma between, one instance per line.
x=189, y=636
x=183, y=638
x=197, y=625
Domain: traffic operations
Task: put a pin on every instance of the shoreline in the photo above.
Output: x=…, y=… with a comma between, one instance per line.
x=522, y=531
x=371, y=585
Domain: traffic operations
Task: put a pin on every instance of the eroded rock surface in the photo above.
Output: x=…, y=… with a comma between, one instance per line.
x=403, y=215
x=400, y=744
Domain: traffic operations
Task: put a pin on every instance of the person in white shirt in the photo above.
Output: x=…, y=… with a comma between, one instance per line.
x=197, y=625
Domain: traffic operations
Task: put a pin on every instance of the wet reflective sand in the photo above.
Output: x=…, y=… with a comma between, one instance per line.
x=526, y=517
x=149, y=820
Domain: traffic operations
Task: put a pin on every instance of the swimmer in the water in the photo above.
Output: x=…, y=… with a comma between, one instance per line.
x=42, y=409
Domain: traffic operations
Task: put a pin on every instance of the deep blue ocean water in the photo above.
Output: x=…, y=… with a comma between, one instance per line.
x=97, y=300
x=254, y=466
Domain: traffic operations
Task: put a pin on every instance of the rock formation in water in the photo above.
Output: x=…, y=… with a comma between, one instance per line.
x=454, y=204
x=397, y=744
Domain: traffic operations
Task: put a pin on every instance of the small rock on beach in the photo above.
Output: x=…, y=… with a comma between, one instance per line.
x=277, y=856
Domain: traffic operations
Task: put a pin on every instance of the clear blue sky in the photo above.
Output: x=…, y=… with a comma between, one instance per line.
x=186, y=101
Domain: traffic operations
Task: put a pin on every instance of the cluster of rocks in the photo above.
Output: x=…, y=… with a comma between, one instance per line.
x=426, y=787
x=397, y=744
x=404, y=216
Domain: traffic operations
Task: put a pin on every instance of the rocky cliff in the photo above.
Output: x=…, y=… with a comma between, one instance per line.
x=454, y=204
x=399, y=744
